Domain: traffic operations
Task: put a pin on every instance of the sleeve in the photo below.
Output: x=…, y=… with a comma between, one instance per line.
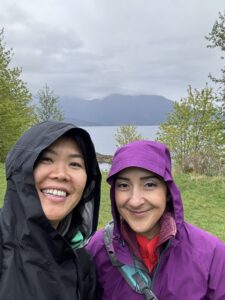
x=216, y=284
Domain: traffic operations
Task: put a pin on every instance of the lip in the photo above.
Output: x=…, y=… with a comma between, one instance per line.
x=139, y=212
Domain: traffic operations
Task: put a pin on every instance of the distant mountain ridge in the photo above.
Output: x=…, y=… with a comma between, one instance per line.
x=117, y=110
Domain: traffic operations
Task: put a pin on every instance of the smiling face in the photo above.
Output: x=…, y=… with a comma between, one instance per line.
x=60, y=178
x=141, y=200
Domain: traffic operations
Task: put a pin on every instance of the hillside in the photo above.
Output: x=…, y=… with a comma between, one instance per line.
x=116, y=110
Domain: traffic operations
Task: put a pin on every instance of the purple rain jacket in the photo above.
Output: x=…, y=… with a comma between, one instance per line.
x=192, y=264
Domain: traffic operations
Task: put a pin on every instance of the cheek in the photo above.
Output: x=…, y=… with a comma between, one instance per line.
x=120, y=201
x=80, y=181
x=162, y=200
x=40, y=172
x=84, y=179
x=118, y=198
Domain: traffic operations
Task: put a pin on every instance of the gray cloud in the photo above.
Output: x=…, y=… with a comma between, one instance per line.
x=93, y=48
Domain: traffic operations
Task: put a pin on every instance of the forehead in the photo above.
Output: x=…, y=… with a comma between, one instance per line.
x=65, y=143
x=135, y=171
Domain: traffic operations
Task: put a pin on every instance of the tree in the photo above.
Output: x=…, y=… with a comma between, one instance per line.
x=126, y=134
x=193, y=133
x=48, y=108
x=217, y=40
x=16, y=112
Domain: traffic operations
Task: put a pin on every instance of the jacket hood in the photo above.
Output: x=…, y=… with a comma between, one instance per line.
x=22, y=203
x=152, y=156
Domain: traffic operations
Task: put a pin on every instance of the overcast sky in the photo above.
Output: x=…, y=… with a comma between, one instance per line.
x=94, y=48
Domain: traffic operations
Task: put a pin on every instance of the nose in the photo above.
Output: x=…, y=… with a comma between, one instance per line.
x=59, y=172
x=136, y=198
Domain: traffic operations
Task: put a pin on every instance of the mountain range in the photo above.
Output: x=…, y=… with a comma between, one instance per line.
x=117, y=110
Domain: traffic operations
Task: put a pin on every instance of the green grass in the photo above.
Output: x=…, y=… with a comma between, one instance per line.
x=2, y=183
x=204, y=201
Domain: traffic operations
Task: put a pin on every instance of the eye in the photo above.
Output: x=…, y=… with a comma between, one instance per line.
x=122, y=186
x=150, y=185
x=76, y=164
x=45, y=159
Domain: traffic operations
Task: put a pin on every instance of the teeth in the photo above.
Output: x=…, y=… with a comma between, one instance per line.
x=54, y=192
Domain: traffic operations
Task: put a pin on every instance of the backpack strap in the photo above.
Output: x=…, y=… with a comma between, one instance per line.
x=137, y=279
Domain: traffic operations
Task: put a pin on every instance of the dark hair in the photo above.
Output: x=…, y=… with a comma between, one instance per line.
x=85, y=144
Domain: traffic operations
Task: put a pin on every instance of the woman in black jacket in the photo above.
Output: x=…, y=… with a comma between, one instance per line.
x=50, y=211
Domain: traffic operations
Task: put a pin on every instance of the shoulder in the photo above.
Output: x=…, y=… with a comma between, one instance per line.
x=96, y=243
x=110, y=282
x=208, y=252
x=97, y=249
x=198, y=236
x=202, y=244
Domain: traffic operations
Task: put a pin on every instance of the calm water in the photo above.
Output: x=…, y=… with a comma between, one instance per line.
x=104, y=136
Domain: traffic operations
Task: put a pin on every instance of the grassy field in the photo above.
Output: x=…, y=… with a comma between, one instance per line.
x=2, y=182
x=204, y=201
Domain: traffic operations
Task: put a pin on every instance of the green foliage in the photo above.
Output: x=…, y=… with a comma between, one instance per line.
x=16, y=112
x=217, y=40
x=126, y=134
x=48, y=108
x=194, y=135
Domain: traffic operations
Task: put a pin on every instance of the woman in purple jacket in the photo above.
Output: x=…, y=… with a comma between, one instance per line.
x=150, y=236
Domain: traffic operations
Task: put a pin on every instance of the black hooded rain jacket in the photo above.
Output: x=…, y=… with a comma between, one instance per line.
x=36, y=261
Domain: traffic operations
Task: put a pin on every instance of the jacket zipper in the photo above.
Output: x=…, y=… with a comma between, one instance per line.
x=159, y=263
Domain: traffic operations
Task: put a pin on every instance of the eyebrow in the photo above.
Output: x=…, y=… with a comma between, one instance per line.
x=141, y=178
x=72, y=155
